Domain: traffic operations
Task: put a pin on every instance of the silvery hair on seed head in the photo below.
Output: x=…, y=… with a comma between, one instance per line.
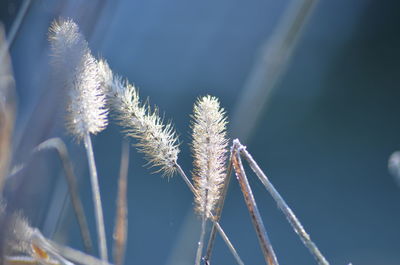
x=78, y=69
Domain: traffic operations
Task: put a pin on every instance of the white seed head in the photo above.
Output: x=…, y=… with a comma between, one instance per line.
x=158, y=141
x=16, y=234
x=23, y=244
x=20, y=234
x=86, y=106
x=209, y=148
x=106, y=75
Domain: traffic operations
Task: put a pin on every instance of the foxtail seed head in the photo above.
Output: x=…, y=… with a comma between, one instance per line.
x=158, y=141
x=209, y=149
x=78, y=70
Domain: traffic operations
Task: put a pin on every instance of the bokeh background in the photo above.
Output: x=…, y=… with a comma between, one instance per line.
x=311, y=87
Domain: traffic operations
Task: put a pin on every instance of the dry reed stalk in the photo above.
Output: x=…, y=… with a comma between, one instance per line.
x=86, y=106
x=158, y=141
x=209, y=152
x=121, y=216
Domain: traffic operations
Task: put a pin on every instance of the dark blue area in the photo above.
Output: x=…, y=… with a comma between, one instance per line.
x=323, y=138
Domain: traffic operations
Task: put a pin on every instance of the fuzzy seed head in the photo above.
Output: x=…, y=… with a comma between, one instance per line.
x=16, y=234
x=79, y=73
x=209, y=148
x=20, y=234
x=157, y=140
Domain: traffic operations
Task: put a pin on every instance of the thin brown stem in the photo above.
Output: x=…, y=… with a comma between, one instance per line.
x=121, y=216
x=216, y=224
x=291, y=217
x=265, y=244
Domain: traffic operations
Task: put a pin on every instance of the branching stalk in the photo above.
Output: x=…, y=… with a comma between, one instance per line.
x=261, y=232
x=291, y=217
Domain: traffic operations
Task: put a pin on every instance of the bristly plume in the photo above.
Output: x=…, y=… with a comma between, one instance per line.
x=78, y=69
x=158, y=141
x=16, y=235
x=209, y=149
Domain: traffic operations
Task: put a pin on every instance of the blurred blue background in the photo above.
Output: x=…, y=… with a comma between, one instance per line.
x=318, y=109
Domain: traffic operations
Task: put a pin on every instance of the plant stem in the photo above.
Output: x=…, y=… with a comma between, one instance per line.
x=265, y=244
x=38, y=242
x=216, y=224
x=291, y=217
x=57, y=144
x=96, y=199
x=121, y=215
x=62, y=252
x=201, y=240
x=185, y=178
x=228, y=243
x=218, y=212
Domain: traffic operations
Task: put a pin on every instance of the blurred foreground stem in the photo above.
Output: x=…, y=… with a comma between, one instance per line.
x=96, y=199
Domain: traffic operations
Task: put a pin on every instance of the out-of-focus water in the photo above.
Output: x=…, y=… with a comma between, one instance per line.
x=324, y=137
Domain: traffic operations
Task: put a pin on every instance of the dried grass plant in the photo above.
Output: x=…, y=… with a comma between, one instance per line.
x=92, y=89
x=86, y=104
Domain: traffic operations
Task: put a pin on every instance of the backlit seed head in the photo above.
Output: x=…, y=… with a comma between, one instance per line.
x=156, y=139
x=209, y=148
x=79, y=73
